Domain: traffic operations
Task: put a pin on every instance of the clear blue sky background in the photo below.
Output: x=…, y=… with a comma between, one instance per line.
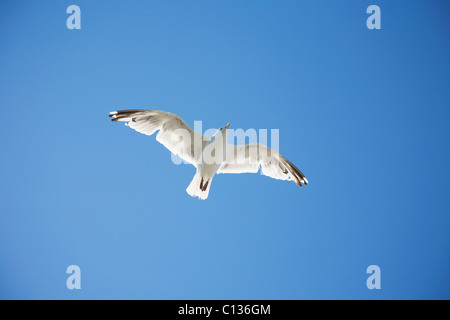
x=363, y=113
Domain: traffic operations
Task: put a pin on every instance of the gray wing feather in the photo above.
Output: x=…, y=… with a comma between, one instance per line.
x=251, y=157
x=173, y=133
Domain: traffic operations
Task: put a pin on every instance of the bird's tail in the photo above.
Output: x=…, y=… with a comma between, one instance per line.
x=199, y=186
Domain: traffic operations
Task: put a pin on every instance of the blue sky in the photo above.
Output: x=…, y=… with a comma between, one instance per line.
x=363, y=113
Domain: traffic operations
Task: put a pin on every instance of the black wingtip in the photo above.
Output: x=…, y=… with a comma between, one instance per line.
x=299, y=176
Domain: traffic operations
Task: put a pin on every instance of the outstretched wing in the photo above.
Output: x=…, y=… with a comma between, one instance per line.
x=250, y=157
x=173, y=133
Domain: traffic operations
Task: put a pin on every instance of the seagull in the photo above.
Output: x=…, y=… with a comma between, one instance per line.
x=208, y=155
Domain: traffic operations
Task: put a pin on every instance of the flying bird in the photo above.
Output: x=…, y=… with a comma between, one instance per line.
x=208, y=155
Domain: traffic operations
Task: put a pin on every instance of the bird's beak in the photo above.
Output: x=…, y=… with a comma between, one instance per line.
x=227, y=125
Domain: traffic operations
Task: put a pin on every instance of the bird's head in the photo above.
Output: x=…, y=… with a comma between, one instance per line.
x=223, y=128
x=221, y=132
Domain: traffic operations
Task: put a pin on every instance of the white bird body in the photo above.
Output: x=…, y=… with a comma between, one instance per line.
x=201, y=183
x=208, y=155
